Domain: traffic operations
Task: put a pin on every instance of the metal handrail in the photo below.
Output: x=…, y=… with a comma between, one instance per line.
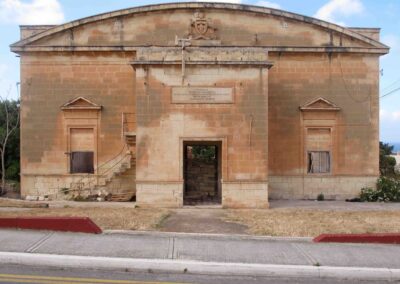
x=98, y=175
x=102, y=165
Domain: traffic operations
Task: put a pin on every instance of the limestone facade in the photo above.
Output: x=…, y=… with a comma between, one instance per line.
x=291, y=101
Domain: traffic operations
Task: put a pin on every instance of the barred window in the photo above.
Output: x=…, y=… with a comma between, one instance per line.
x=319, y=162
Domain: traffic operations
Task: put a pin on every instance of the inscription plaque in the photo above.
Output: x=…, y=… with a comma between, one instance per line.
x=202, y=95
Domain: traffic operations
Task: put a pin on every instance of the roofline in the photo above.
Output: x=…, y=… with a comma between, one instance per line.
x=36, y=26
x=321, y=49
x=199, y=5
x=366, y=28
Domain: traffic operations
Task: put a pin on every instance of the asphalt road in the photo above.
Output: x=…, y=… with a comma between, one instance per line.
x=27, y=274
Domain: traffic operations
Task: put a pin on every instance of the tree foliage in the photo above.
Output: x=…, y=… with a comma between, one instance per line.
x=9, y=139
x=387, y=189
x=388, y=185
x=386, y=162
x=204, y=152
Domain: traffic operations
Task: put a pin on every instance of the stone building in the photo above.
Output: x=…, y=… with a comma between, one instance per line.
x=116, y=103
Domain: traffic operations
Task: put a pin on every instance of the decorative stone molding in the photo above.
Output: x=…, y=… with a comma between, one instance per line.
x=319, y=104
x=201, y=28
x=80, y=103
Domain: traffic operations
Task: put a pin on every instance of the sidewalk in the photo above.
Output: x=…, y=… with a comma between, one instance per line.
x=202, y=253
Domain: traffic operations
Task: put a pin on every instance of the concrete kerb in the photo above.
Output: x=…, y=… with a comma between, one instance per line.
x=198, y=267
x=206, y=236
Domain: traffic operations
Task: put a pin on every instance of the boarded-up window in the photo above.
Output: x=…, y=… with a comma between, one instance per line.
x=82, y=162
x=319, y=162
x=319, y=139
x=319, y=144
x=82, y=150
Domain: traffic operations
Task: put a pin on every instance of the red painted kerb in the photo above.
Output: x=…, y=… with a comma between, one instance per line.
x=390, y=238
x=65, y=224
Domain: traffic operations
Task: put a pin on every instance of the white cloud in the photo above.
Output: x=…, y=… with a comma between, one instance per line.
x=33, y=12
x=222, y=1
x=389, y=115
x=339, y=8
x=269, y=4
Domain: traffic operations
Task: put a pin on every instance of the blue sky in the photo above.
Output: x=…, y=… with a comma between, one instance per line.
x=353, y=13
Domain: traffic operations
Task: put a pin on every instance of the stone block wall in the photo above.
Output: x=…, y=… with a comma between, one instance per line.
x=241, y=126
x=308, y=187
x=48, y=82
x=351, y=82
x=245, y=195
x=159, y=194
x=202, y=179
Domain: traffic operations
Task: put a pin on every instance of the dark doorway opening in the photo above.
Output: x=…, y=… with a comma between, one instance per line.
x=202, y=172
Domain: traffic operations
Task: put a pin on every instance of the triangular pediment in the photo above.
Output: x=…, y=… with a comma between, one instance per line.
x=319, y=104
x=80, y=103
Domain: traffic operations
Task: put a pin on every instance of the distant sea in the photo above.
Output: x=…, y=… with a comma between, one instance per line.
x=396, y=146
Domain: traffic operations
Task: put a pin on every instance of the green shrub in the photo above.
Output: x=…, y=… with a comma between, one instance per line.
x=65, y=190
x=387, y=189
x=321, y=197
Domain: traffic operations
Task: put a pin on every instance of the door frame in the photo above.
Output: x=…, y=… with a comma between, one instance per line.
x=69, y=150
x=221, y=142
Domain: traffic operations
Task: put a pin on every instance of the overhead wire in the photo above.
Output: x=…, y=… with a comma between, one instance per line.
x=392, y=84
x=390, y=93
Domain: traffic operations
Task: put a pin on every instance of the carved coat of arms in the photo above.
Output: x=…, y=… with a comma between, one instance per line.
x=200, y=27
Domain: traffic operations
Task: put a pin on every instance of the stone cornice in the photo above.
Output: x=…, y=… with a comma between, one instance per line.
x=330, y=49
x=267, y=64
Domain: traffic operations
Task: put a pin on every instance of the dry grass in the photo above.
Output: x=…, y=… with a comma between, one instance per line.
x=311, y=223
x=106, y=218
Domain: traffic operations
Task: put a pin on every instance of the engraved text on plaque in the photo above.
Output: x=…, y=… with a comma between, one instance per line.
x=202, y=95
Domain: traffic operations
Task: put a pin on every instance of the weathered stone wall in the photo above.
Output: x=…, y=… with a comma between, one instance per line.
x=241, y=126
x=160, y=194
x=308, y=187
x=245, y=194
x=48, y=82
x=351, y=82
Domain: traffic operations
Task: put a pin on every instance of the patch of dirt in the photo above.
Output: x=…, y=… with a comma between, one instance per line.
x=298, y=222
x=285, y=218
x=106, y=218
x=12, y=194
x=201, y=220
x=15, y=203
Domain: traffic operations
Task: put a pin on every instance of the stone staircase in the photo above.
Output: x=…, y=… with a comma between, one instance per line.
x=107, y=175
x=117, y=176
x=118, y=169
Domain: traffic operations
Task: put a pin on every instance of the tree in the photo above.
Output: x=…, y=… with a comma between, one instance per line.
x=203, y=152
x=386, y=162
x=9, y=136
